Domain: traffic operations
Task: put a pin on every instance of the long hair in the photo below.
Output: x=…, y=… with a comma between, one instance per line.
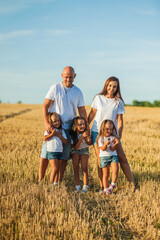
x=56, y=115
x=73, y=129
x=102, y=129
x=117, y=94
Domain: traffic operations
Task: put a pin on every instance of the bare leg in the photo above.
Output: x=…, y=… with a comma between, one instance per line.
x=105, y=176
x=63, y=165
x=125, y=165
x=84, y=166
x=42, y=168
x=54, y=164
x=100, y=173
x=114, y=167
x=75, y=162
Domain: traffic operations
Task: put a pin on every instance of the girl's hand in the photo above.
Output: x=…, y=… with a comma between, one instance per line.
x=86, y=134
x=116, y=140
x=107, y=142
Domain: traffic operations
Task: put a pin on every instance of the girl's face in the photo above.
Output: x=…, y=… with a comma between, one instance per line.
x=81, y=125
x=108, y=129
x=55, y=121
x=111, y=89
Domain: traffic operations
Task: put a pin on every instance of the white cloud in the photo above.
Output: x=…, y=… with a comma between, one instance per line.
x=10, y=6
x=148, y=12
x=59, y=32
x=15, y=34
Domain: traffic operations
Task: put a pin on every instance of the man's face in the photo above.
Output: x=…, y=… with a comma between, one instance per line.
x=68, y=77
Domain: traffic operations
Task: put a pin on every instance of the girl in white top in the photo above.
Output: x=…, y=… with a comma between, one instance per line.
x=55, y=140
x=108, y=104
x=107, y=142
x=80, y=141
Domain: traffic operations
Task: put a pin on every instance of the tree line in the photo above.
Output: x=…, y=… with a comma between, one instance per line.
x=156, y=103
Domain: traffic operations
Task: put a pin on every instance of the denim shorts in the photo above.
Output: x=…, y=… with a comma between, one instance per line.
x=94, y=137
x=107, y=160
x=81, y=151
x=54, y=155
x=66, y=148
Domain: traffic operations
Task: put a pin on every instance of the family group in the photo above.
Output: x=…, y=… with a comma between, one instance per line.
x=68, y=135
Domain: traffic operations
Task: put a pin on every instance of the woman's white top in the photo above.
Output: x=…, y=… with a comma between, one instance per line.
x=55, y=144
x=108, y=151
x=83, y=143
x=107, y=108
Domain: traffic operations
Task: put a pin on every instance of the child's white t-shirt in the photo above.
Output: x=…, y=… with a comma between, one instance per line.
x=83, y=143
x=55, y=144
x=108, y=151
x=66, y=102
x=107, y=108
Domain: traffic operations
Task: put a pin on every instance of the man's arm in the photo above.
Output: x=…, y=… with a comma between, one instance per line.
x=82, y=112
x=47, y=103
x=120, y=124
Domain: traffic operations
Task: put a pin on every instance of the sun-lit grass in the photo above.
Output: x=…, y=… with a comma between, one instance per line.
x=32, y=211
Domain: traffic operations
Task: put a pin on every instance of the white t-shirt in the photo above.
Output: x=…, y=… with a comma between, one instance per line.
x=66, y=102
x=107, y=108
x=108, y=151
x=83, y=143
x=55, y=144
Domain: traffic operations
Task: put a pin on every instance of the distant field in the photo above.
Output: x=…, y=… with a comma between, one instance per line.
x=32, y=211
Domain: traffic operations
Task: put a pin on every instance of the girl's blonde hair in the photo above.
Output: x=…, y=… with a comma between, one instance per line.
x=102, y=128
x=73, y=129
x=56, y=115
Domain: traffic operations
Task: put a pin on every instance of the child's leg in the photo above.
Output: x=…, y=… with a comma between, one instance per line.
x=115, y=168
x=42, y=168
x=62, y=168
x=84, y=166
x=75, y=162
x=100, y=172
x=105, y=171
x=54, y=164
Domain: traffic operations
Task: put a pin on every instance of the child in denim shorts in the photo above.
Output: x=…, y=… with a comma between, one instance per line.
x=80, y=141
x=108, y=142
x=55, y=140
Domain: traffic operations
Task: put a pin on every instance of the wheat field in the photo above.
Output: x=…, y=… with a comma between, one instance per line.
x=29, y=210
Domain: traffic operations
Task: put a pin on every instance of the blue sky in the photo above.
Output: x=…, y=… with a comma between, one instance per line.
x=99, y=38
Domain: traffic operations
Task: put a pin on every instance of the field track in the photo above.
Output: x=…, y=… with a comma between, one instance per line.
x=32, y=211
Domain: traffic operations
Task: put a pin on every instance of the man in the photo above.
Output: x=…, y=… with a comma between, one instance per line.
x=63, y=98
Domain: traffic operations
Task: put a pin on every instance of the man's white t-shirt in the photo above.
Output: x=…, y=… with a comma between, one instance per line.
x=83, y=143
x=55, y=144
x=107, y=108
x=108, y=151
x=66, y=102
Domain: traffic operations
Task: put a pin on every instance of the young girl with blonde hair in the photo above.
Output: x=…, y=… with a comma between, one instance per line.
x=108, y=143
x=55, y=140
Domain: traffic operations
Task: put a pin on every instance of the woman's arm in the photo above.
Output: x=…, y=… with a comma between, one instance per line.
x=120, y=124
x=91, y=115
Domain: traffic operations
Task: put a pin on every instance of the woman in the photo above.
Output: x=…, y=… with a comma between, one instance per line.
x=108, y=104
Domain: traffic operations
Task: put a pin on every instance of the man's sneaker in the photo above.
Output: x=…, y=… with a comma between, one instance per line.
x=85, y=189
x=78, y=188
x=110, y=189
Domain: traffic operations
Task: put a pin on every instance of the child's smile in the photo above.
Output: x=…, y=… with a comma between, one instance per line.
x=81, y=125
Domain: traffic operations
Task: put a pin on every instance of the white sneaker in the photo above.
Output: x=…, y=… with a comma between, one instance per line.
x=78, y=188
x=85, y=189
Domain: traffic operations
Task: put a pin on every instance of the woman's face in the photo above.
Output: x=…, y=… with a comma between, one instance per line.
x=81, y=125
x=111, y=89
x=55, y=121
